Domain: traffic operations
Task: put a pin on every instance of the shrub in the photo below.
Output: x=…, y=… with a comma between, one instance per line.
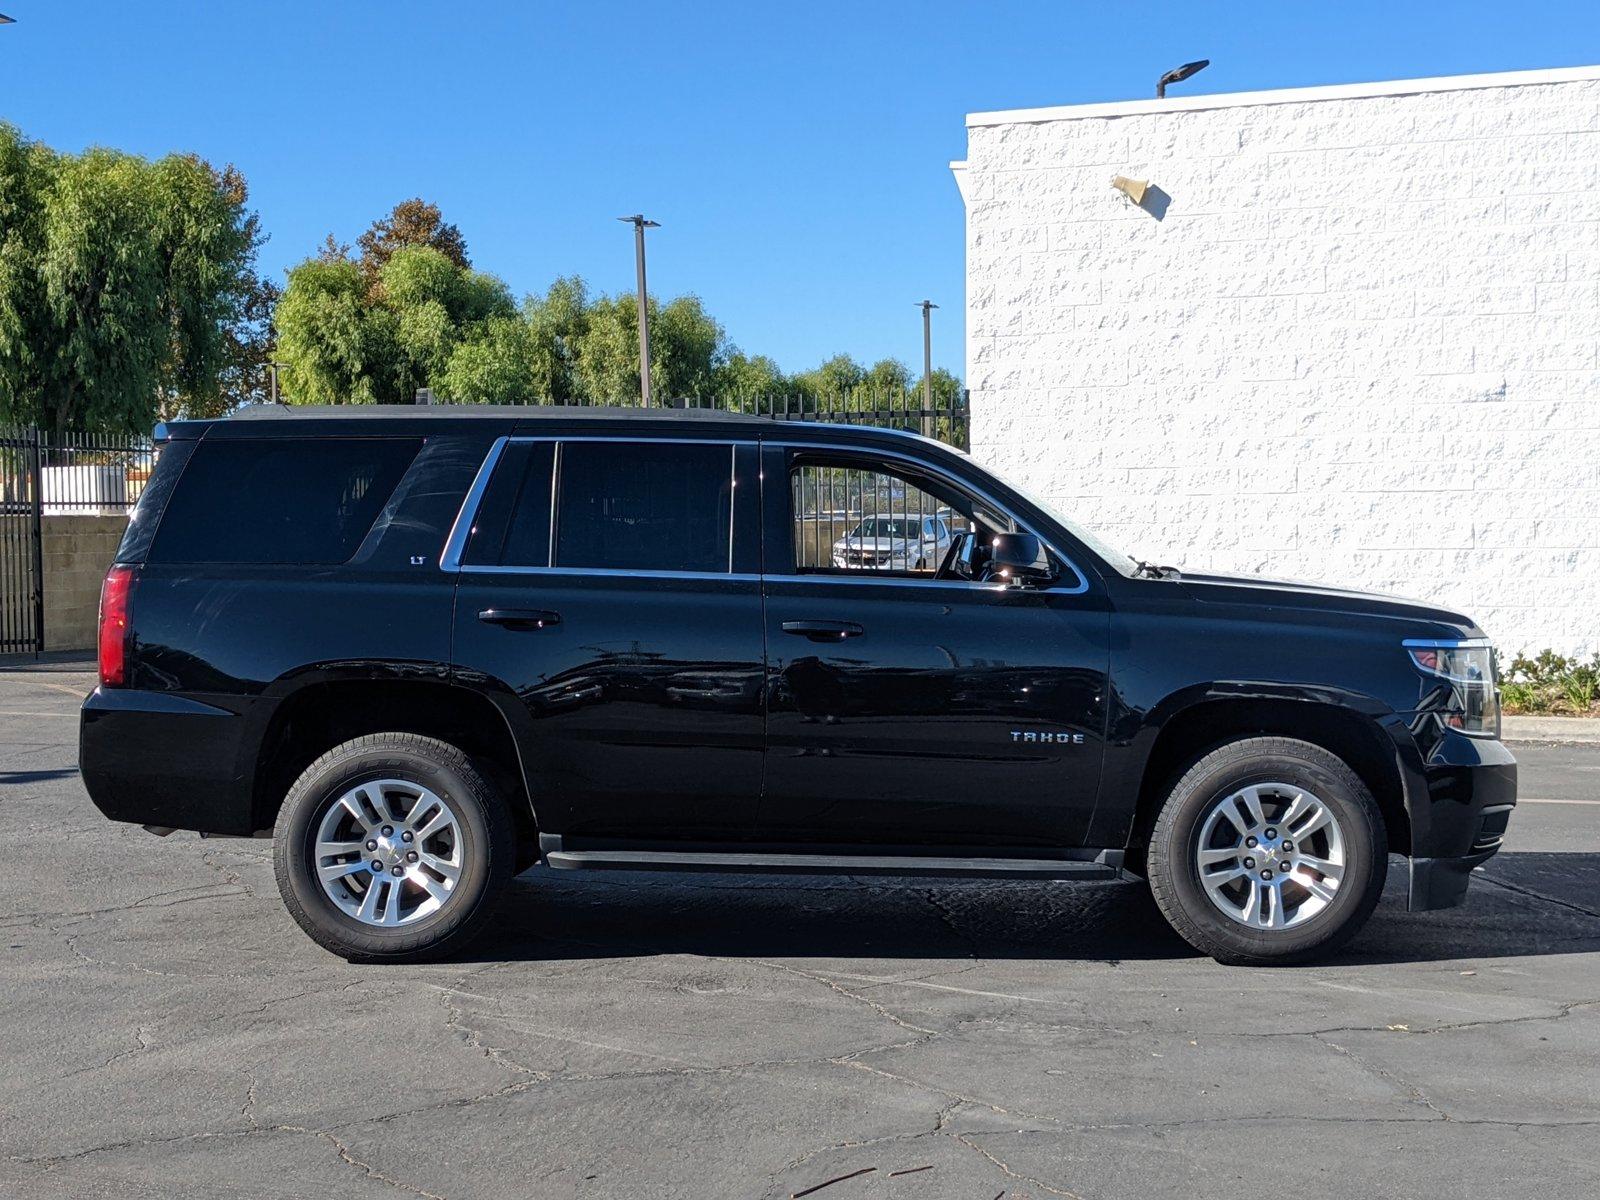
x=1551, y=683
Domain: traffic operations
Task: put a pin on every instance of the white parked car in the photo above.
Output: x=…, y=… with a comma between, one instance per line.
x=893, y=544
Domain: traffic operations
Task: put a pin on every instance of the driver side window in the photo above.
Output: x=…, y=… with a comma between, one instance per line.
x=864, y=518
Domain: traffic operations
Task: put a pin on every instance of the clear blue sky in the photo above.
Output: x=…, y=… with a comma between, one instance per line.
x=794, y=153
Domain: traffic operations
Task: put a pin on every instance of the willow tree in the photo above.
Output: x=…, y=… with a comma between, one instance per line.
x=123, y=283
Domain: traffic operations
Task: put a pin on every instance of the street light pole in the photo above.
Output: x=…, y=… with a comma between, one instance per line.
x=927, y=307
x=640, y=224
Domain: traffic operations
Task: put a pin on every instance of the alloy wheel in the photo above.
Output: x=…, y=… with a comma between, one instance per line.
x=1270, y=855
x=388, y=852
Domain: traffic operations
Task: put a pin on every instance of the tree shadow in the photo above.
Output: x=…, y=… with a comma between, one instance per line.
x=1524, y=904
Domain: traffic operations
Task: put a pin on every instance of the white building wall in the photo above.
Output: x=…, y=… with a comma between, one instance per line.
x=1360, y=344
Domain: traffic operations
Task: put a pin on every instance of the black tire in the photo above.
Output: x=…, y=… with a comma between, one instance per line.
x=488, y=847
x=1175, y=876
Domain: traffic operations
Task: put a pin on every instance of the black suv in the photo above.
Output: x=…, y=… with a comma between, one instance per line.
x=424, y=649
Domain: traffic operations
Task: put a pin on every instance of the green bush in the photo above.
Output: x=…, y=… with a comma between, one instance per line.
x=1551, y=683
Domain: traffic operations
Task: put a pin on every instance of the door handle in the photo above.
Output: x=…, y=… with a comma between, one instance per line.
x=824, y=631
x=520, y=618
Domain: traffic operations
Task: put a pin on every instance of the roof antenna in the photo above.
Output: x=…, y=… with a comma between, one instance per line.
x=1179, y=74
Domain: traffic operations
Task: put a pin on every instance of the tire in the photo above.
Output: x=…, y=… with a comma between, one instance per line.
x=434, y=915
x=1196, y=818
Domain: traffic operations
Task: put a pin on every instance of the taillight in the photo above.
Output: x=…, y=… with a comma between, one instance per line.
x=114, y=626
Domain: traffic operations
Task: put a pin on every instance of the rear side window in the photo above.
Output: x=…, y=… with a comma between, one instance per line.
x=644, y=506
x=279, y=500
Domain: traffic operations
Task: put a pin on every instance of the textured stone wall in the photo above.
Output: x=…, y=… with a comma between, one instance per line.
x=1350, y=338
x=76, y=550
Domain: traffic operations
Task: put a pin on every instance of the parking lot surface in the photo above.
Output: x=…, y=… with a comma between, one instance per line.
x=169, y=1032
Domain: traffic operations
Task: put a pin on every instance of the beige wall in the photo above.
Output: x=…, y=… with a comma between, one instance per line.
x=77, y=551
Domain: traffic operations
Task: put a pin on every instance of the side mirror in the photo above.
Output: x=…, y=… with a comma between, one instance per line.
x=1018, y=556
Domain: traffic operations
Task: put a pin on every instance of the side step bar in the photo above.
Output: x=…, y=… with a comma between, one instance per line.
x=1107, y=866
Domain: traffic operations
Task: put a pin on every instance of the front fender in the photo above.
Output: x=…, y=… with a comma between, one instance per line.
x=1143, y=743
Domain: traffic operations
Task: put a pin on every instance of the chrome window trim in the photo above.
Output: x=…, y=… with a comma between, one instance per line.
x=461, y=529
x=1480, y=643
x=456, y=543
x=959, y=484
x=610, y=573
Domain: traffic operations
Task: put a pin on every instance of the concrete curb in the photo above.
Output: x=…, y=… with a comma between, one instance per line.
x=1573, y=730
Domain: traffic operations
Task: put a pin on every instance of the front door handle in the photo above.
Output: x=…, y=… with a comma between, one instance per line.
x=824, y=631
x=520, y=618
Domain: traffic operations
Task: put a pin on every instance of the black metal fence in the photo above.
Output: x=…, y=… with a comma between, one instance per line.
x=48, y=475
x=947, y=419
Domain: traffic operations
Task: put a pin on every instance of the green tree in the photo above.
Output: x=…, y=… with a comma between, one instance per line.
x=27, y=171
x=436, y=303
x=413, y=222
x=743, y=379
x=606, y=365
x=558, y=320
x=839, y=376
x=121, y=284
x=498, y=364
x=342, y=341
x=329, y=342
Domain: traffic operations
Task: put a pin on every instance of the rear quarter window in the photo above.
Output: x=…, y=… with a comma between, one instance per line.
x=279, y=500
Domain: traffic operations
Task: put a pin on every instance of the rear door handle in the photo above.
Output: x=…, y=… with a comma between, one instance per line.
x=824, y=631
x=520, y=618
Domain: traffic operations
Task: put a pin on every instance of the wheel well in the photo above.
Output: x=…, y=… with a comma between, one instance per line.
x=322, y=716
x=1196, y=731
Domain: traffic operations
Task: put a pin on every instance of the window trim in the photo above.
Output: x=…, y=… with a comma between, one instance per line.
x=867, y=577
x=456, y=543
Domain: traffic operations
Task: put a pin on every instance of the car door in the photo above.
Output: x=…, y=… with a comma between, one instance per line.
x=608, y=597
x=913, y=710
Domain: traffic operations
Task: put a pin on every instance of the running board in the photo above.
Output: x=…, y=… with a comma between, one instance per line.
x=836, y=864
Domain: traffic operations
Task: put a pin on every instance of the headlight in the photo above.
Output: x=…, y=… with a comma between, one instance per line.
x=1462, y=674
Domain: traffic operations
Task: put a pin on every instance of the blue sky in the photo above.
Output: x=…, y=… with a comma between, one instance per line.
x=796, y=154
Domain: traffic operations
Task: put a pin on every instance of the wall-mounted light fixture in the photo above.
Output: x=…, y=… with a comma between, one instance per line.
x=1133, y=189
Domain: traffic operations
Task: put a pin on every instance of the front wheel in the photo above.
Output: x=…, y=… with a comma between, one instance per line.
x=1268, y=851
x=392, y=847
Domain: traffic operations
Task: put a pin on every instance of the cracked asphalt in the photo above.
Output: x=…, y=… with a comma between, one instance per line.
x=168, y=1032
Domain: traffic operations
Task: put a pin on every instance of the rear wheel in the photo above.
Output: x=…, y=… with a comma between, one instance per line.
x=1268, y=850
x=392, y=847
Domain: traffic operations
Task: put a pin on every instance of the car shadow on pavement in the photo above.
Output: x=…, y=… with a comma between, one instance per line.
x=1525, y=904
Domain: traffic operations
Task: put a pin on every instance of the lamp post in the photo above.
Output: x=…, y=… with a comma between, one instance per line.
x=1179, y=74
x=640, y=223
x=927, y=307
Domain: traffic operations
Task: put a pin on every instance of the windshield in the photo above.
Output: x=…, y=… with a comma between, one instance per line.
x=889, y=527
x=1114, y=558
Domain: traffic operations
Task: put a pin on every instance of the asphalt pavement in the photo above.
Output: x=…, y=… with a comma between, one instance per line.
x=169, y=1032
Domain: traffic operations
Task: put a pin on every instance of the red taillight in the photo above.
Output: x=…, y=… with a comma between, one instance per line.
x=114, y=626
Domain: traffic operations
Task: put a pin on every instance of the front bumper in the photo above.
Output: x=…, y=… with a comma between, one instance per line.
x=1460, y=792
x=1434, y=883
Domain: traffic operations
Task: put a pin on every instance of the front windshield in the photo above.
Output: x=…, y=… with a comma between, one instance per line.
x=890, y=527
x=1114, y=558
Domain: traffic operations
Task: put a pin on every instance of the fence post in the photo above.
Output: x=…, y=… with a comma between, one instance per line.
x=36, y=535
